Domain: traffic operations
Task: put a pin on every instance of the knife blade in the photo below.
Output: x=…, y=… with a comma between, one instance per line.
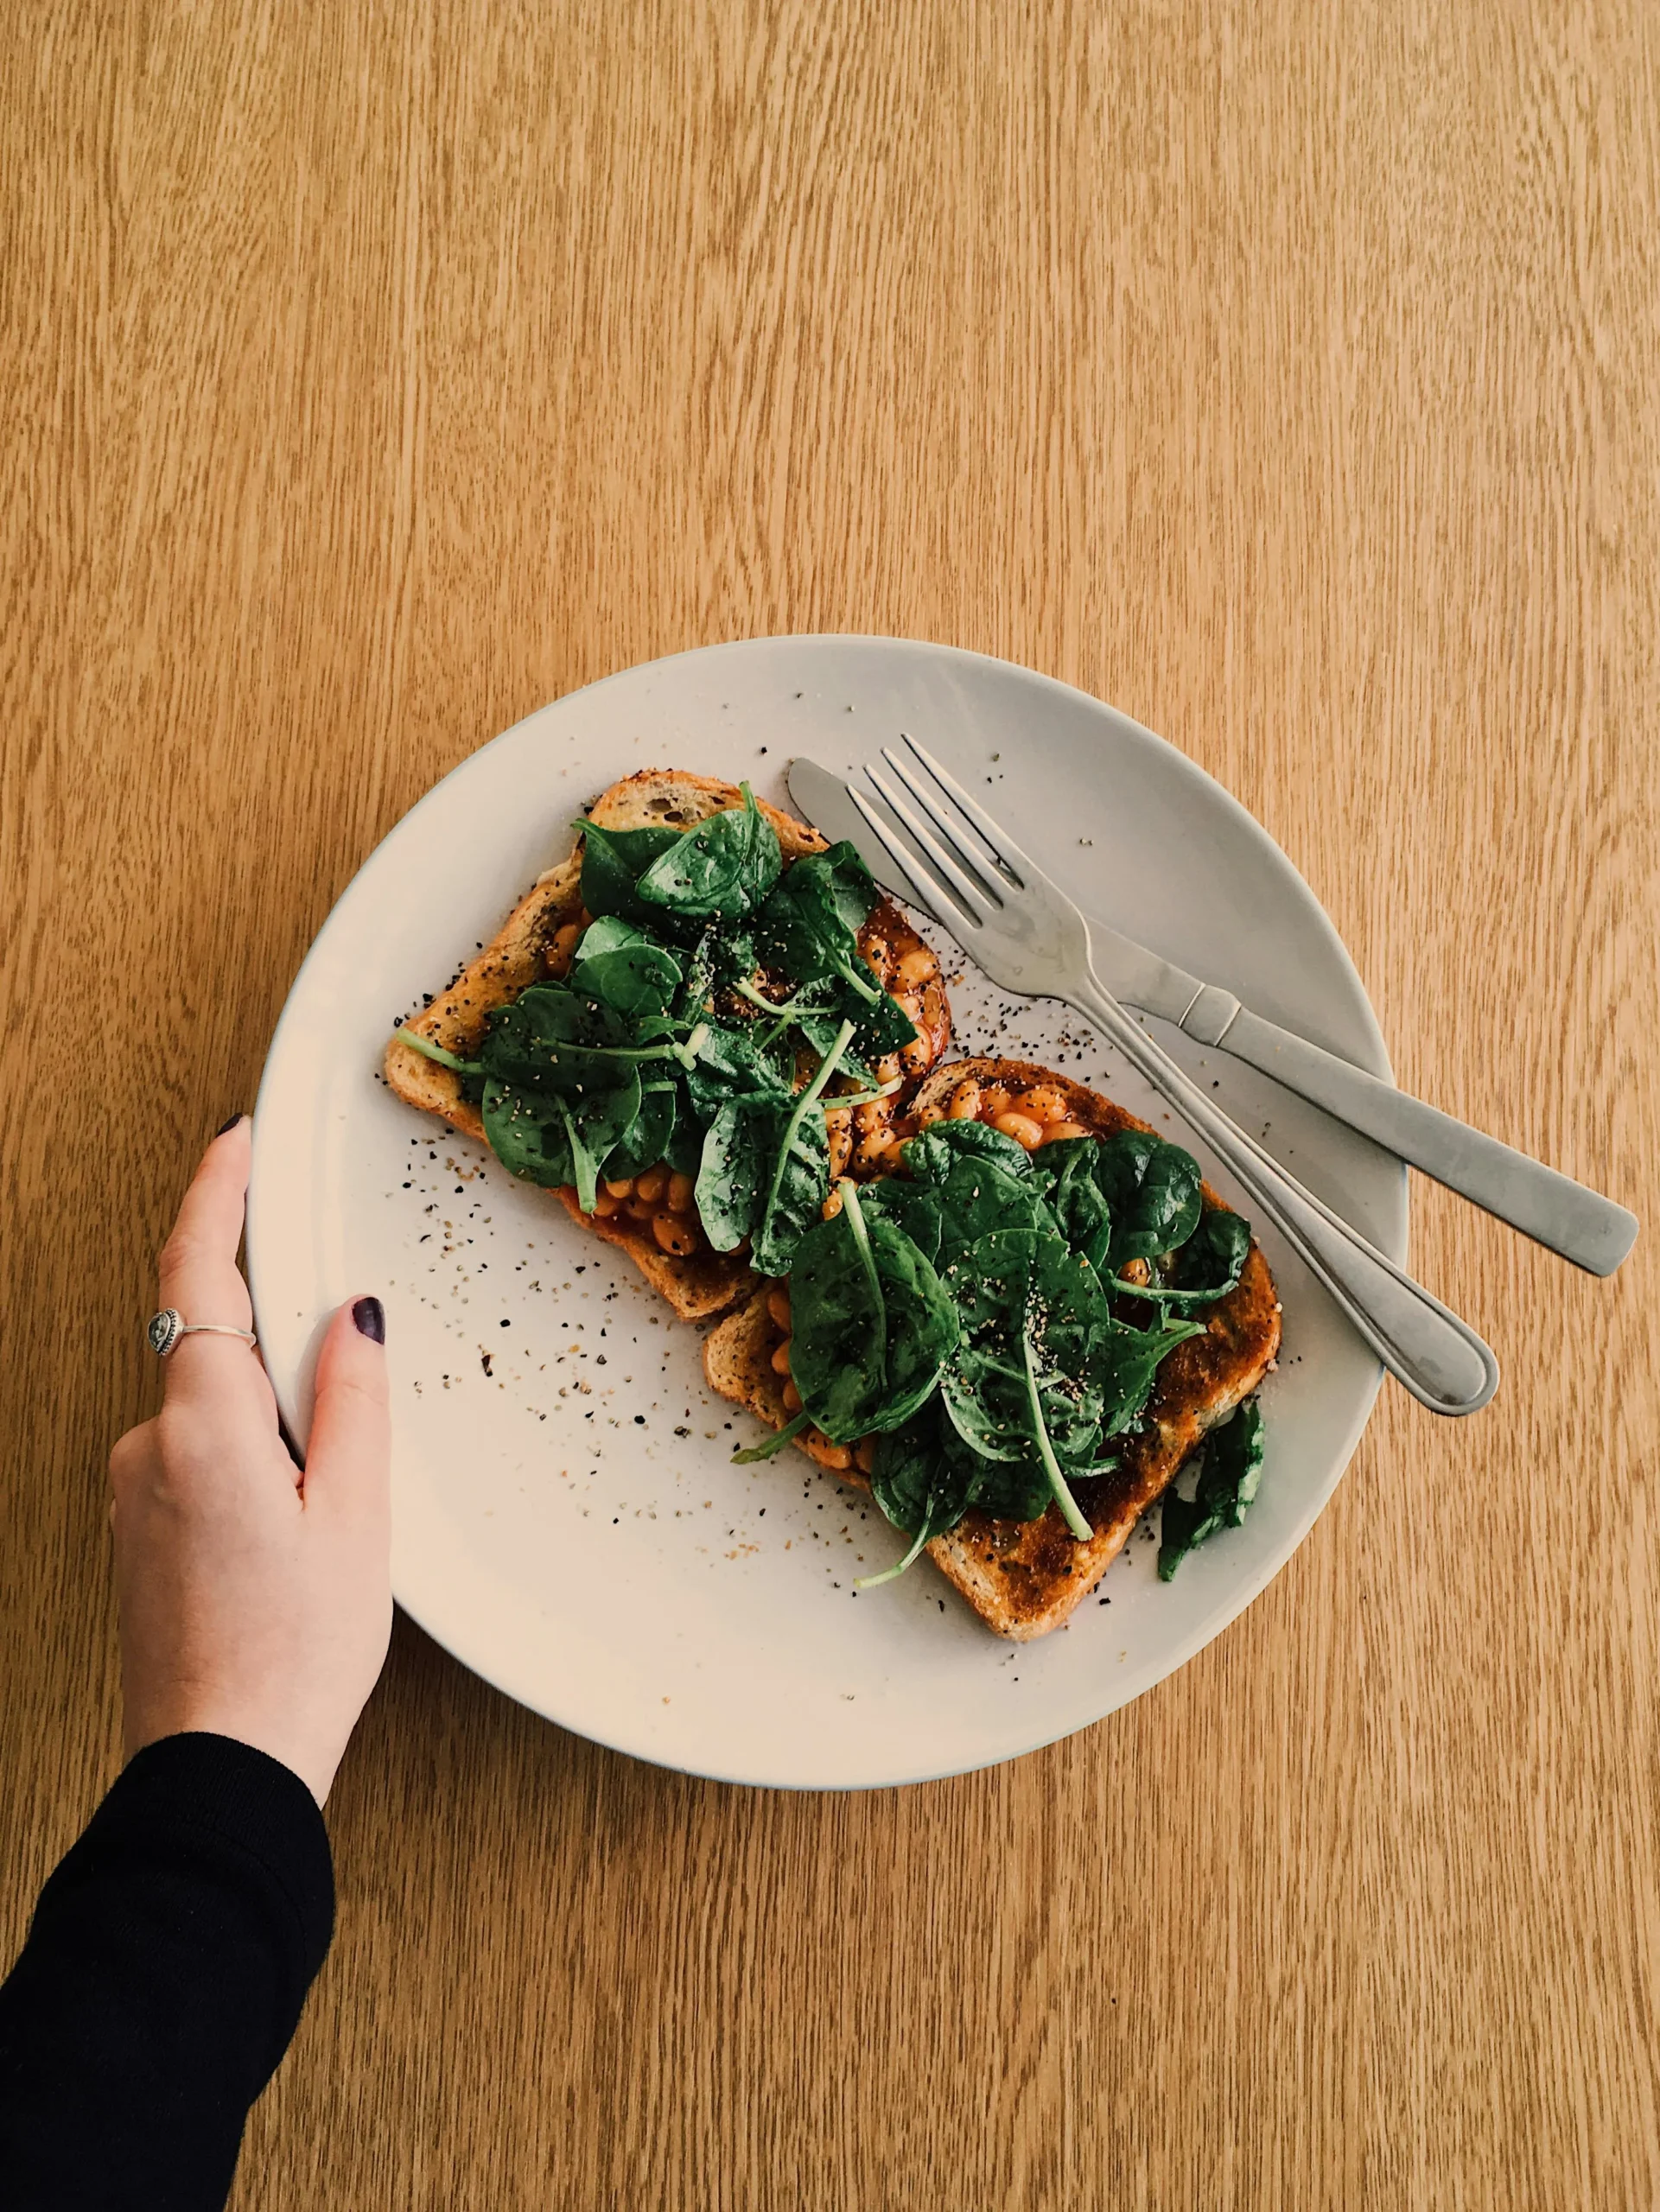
x=1579, y=1224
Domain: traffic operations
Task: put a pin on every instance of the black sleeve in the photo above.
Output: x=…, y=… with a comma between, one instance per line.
x=165, y=1968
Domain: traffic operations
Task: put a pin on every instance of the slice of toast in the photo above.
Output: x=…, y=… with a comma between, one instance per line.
x=706, y=1282
x=1024, y=1578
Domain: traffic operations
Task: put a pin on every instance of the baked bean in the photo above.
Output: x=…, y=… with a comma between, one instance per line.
x=916, y=1054
x=605, y=1205
x=965, y=1101
x=652, y=1183
x=1021, y=1128
x=837, y=1456
x=1057, y=1130
x=682, y=1190
x=916, y=967
x=778, y=1304
x=887, y=1068
x=929, y=1115
x=868, y=1119
x=831, y=1206
x=675, y=1235
x=1134, y=1271
x=1044, y=1102
x=875, y=1151
x=562, y=947
x=791, y=1399
x=864, y=1454
x=621, y=1187
x=994, y=1100
x=876, y=951
x=781, y=1358
x=639, y=1209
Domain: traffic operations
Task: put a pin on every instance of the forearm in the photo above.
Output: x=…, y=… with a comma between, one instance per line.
x=163, y=1975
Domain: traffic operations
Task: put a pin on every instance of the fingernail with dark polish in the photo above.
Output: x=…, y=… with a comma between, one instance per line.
x=371, y=1317
x=228, y=1126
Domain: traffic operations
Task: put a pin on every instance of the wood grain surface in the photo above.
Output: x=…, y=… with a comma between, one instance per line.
x=1282, y=371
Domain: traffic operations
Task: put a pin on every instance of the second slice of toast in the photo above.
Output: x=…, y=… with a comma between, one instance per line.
x=1025, y=1578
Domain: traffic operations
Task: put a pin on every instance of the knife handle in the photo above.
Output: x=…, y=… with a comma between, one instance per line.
x=1584, y=1227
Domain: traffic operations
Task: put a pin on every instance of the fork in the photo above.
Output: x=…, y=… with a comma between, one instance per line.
x=1029, y=937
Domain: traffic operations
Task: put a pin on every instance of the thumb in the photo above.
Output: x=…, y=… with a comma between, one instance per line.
x=348, y=1457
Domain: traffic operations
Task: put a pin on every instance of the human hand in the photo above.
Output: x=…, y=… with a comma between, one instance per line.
x=254, y=1600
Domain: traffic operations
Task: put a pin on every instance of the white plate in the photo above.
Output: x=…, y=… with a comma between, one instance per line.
x=567, y=1520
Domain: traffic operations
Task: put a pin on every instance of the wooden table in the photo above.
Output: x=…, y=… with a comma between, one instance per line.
x=1283, y=371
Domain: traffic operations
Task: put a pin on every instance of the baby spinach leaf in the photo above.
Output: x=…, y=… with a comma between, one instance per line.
x=809, y=927
x=735, y=1154
x=792, y=1198
x=1031, y=1311
x=926, y=1479
x=979, y=1181
x=1152, y=1191
x=872, y=1323
x=1230, y=1475
x=551, y=1037
x=1211, y=1261
x=702, y=967
x=613, y=860
x=527, y=1135
x=932, y=1156
x=1127, y=1197
x=809, y=931
x=595, y=1123
x=881, y=1025
x=1125, y=1365
x=555, y=1138
x=726, y=864
x=918, y=1488
x=1079, y=1205
x=910, y=1206
x=619, y=964
x=730, y=1064
x=650, y=1136
x=816, y=1011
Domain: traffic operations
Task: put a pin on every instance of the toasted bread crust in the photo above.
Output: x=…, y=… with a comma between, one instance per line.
x=1025, y=1578
x=706, y=1283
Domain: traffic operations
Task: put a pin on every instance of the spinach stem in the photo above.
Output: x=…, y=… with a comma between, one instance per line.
x=863, y=1097
x=745, y=989
x=1157, y=1297
x=1064, y=1498
x=893, y=1573
x=581, y=1159
x=425, y=1045
x=766, y=1449
x=869, y=989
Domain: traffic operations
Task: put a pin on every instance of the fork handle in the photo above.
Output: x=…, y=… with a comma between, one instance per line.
x=1423, y=1344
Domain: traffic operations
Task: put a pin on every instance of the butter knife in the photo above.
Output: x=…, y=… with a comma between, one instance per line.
x=1578, y=1223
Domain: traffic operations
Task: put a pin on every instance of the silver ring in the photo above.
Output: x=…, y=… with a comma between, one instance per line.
x=166, y=1328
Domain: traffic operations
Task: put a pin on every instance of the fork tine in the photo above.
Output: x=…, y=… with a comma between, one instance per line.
x=975, y=899
x=930, y=897
x=1001, y=845
x=969, y=849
